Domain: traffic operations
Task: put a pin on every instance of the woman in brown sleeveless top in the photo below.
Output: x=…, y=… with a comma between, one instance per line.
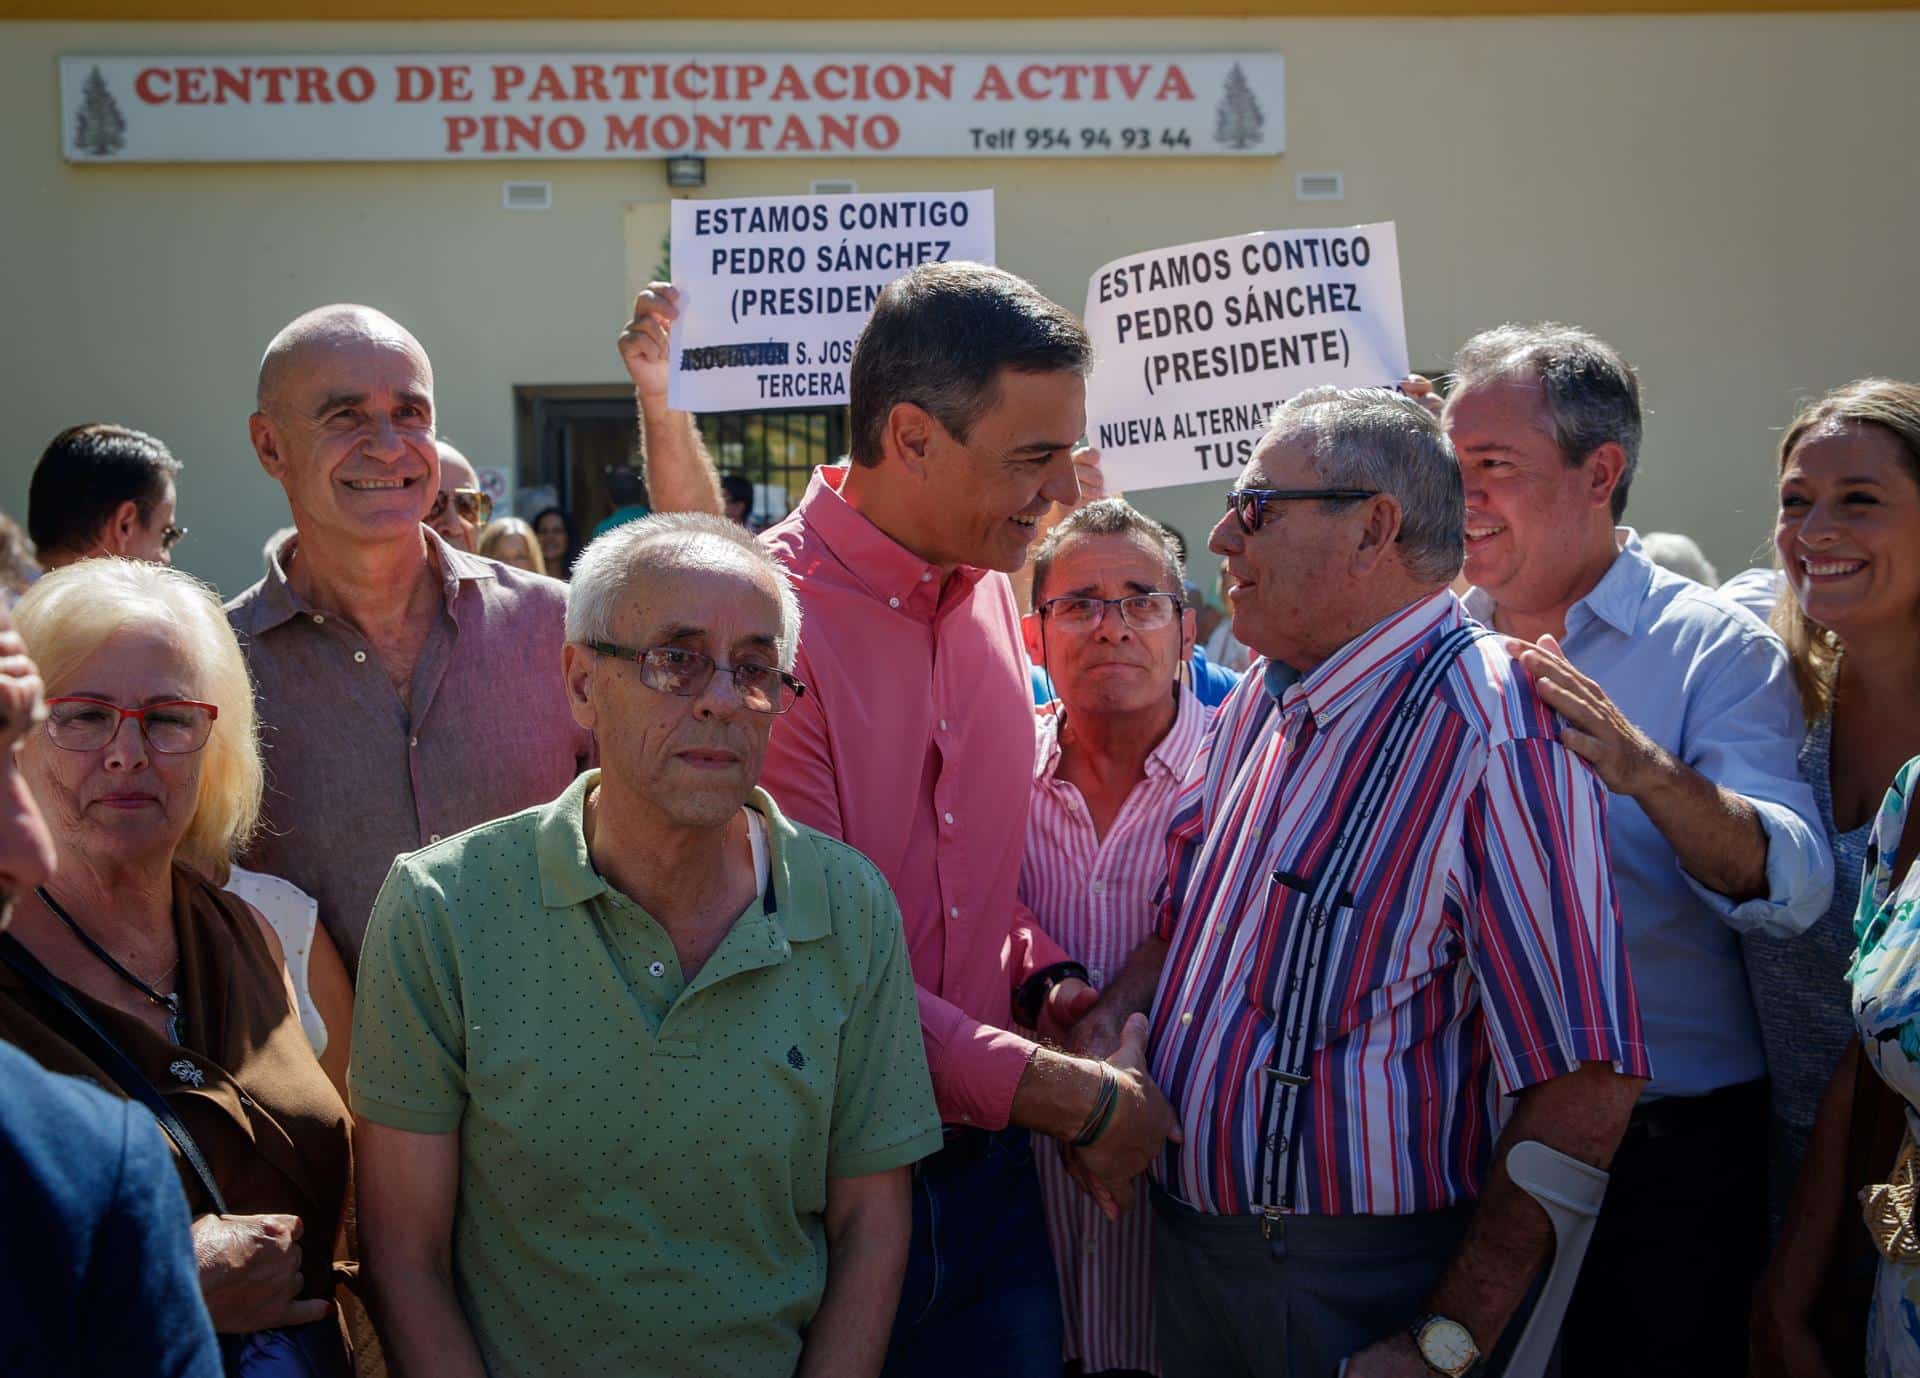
x=148, y=771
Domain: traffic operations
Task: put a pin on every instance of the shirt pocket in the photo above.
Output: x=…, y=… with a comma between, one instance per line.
x=1287, y=980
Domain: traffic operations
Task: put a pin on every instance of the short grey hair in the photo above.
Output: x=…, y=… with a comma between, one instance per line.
x=617, y=562
x=1383, y=440
x=1111, y=517
x=1682, y=554
x=1592, y=393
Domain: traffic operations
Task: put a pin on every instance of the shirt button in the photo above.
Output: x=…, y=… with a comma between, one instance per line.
x=1186, y=1017
x=656, y=969
x=954, y=912
x=893, y=602
x=943, y=724
x=1099, y=887
x=925, y=577
x=1220, y=928
x=319, y=618
x=359, y=657
x=413, y=741
x=948, y=817
x=966, y=1118
x=433, y=837
x=1097, y=976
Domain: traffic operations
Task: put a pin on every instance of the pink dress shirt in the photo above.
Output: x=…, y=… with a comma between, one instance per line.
x=914, y=743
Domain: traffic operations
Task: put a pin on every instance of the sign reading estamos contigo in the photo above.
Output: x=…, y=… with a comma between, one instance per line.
x=417, y=107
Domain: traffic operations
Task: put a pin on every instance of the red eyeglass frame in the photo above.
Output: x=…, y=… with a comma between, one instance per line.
x=140, y=714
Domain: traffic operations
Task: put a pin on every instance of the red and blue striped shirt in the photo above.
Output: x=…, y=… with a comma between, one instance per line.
x=1476, y=951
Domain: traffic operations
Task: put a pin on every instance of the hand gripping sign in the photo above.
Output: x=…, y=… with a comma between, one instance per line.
x=1194, y=346
x=774, y=290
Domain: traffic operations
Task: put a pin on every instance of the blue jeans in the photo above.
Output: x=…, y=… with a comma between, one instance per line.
x=980, y=1296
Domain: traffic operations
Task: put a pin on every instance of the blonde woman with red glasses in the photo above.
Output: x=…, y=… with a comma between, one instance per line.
x=130, y=968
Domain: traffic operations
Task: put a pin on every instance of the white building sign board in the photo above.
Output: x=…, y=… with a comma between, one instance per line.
x=447, y=106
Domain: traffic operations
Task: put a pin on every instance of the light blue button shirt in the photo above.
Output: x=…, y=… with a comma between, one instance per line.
x=1711, y=684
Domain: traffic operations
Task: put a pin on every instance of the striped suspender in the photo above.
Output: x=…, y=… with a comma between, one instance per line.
x=1301, y=985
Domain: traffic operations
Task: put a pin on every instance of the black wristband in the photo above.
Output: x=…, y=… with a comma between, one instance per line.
x=1032, y=993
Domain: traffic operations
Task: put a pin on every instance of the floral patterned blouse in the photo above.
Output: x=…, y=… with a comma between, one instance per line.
x=1886, y=960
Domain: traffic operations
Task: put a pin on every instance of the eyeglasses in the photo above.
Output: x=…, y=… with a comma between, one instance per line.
x=1143, y=612
x=1249, y=505
x=178, y=727
x=472, y=504
x=670, y=670
x=171, y=536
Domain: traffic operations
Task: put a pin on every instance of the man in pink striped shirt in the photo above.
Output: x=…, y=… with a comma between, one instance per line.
x=914, y=744
x=1112, y=631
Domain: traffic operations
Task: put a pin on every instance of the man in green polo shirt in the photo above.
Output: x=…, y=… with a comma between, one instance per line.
x=638, y=1072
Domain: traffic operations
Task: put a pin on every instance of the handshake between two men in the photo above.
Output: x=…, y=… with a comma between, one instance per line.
x=1092, y=1091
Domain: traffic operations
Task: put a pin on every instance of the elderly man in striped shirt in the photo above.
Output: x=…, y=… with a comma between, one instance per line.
x=1389, y=928
x=1111, y=627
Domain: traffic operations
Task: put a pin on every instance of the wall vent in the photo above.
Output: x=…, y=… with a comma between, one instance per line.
x=526, y=196
x=1320, y=186
x=833, y=186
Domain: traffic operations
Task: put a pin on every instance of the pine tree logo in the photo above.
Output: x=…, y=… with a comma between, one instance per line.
x=99, y=128
x=1237, y=120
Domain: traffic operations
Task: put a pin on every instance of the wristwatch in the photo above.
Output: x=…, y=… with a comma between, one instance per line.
x=1445, y=1346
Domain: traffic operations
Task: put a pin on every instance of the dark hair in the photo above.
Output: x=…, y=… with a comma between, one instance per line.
x=566, y=525
x=737, y=488
x=1112, y=517
x=84, y=476
x=1592, y=393
x=939, y=337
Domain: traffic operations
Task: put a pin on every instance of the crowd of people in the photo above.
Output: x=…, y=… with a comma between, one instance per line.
x=907, y=941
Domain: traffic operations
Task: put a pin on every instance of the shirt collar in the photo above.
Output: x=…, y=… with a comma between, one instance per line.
x=277, y=602
x=1182, y=742
x=1615, y=600
x=796, y=870
x=1350, y=672
x=1171, y=756
x=890, y=572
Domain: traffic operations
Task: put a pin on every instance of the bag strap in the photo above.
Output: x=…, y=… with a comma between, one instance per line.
x=112, y=1060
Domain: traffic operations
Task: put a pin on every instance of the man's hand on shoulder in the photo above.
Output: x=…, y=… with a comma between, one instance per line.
x=1627, y=760
x=643, y=343
x=1421, y=389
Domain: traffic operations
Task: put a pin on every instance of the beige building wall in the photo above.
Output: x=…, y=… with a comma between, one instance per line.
x=1730, y=200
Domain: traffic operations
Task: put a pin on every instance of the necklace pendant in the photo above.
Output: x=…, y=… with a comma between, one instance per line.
x=176, y=1026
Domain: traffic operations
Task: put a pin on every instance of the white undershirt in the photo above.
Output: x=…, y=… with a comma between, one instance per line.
x=757, y=839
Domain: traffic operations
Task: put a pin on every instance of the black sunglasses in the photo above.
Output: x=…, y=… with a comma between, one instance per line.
x=1249, y=505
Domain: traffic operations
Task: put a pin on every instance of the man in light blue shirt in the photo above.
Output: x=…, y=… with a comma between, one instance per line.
x=1685, y=705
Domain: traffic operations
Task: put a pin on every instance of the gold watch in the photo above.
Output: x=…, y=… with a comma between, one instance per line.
x=1445, y=1346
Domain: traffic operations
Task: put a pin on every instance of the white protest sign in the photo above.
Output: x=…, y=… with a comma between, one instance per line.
x=1196, y=344
x=774, y=290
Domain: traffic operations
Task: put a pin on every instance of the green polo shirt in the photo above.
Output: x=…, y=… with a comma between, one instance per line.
x=643, y=1160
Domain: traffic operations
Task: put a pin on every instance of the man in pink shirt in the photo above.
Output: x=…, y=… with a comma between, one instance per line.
x=915, y=744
